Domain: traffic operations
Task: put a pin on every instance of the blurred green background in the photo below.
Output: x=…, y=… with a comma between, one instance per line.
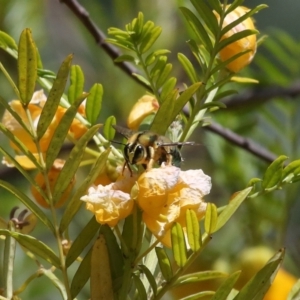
x=272, y=122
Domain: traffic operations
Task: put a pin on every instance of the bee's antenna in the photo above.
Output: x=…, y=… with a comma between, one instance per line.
x=118, y=143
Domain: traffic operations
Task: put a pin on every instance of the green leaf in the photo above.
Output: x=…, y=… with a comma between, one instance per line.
x=158, y=67
x=274, y=172
x=28, y=203
x=167, y=88
x=82, y=240
x=94, y=103
x=294, y=294
x=163, y=75
x=235, y=201
x=259, y=284
x=197, y=27
x=74, y=204
x=171, y=112
x=140, y=288
x=213, y=105
x=108, y=130
x=292, y=168
x=72, y=163
x=61, y=131
x=116, y=258
x=82, y=274
x=76, y=83
x=56, y=282
x=199, y=276
x=233, y=38
x=242, y=18
x=207, y=15
x=164, y=114
x=142, y=79
x=150, y=278
x=178, y=245
x=27, y=66
x=54, y=97
x=164, y=263
x=233, y=6
x=124, y=44
x=224, y=290
x=211, y=218
x=188, y=67
x=149, y=39
x=193, y=230
x=6, y=41
x=199, y=295
x=35, y=246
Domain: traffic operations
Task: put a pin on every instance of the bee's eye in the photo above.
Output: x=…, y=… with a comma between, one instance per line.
x=133, y=153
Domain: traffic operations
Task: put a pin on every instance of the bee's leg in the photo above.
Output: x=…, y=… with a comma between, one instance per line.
x=169, y=159
x=128, y=166
x=150, y=164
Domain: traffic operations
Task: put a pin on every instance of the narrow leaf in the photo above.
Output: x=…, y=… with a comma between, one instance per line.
x=163, y=76
x=291, y=168
x=108, y=129
x=100, y=280
x=116, y=258
x=94, y=103
x=72, y=163
x=167, y=88
x=211, y=217
x=150, y=39
x=193, y=230
x=27, y=66
x=140, y=288
x=233, y=205
x=77, y=83
x=61, y=131
x=207, y=15
x=35, y=246
x=150, y=278
x=82, y=240
x=225, y=288
x=82, y=275
x=178, y=245
x=6, y=41
x=197, y=27
x=259, y=284
x=188, y=67
x=164, y=263
x=28, y=203
x=74, y=204
x=54, y=97
x=294, y=294
x=274, y=172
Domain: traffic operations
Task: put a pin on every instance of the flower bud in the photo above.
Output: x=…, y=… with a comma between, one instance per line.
x=52, y=178
x=142, y=108
x=243, y=44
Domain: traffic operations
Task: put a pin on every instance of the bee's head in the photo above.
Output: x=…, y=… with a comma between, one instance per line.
x=134, y=153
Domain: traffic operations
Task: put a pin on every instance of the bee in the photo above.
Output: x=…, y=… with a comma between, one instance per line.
x=146, y=148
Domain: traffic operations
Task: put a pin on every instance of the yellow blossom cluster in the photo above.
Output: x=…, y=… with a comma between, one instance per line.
x=164, y=194
x=35, y=108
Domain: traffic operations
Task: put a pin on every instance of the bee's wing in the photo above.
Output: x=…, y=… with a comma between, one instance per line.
x=127, y=133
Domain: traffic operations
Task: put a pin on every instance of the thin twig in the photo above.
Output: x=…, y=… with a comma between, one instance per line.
x=244, y=143
x=258, y=97
x=100, y=37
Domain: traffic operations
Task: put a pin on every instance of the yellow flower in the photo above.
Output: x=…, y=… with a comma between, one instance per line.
x=35, y=107
x=52, y=178
x=166, y=193
x=142, y=108
x=108, y=205
x=243, y=44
